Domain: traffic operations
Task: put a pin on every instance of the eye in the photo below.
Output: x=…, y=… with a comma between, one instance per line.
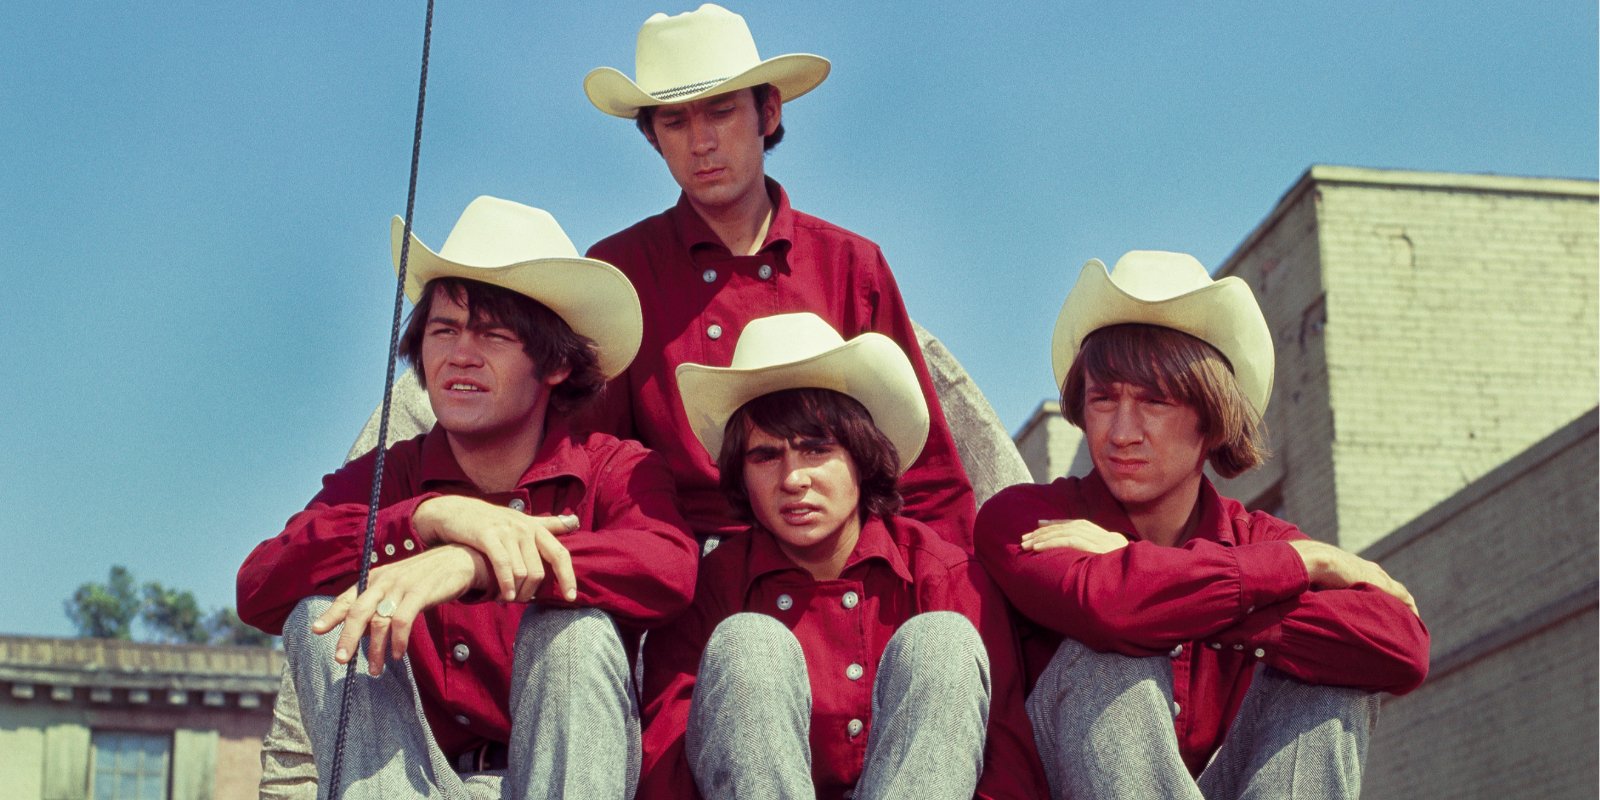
x=440, y=330
x=501, y=335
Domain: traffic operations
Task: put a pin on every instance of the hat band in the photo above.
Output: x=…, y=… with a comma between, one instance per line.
x=679, y=91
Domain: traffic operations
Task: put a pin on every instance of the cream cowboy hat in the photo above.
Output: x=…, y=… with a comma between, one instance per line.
x=698, y=54
x=1172, y=290
x=521, y=248
x=799, y=351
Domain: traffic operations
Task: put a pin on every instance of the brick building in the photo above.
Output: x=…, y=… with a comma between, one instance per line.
x=1437, y=366
x=83, y=718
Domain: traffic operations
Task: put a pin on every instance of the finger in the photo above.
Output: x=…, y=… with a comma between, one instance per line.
x=355, y=625
x=377, y=644
x=500, y=561
x=335, y=613
x=530, y=583
x=559, y=523
x=401, y=624
x=560, y=562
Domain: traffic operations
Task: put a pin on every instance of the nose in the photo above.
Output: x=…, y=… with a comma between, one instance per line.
x=796, y=476
x=1126, y=426
x=702, y=134
x=464, y=351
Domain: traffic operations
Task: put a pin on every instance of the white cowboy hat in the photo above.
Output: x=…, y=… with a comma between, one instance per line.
x=1172, y=290
x=700, y=53
x=521, y=248
x=798, y=351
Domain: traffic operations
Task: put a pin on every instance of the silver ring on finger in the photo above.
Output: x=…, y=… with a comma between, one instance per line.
x=386, y=608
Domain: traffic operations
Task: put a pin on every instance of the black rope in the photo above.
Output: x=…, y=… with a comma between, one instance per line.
x=388, y=393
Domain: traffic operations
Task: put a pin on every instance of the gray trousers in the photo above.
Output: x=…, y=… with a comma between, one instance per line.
x=750, y=717
x=574, y=716
x=1103, y=723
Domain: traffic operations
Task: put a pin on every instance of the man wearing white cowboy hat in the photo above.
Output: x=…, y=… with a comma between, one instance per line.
x=1180, y=634
x=515, y=562
x=837, y=649
x=733, y=249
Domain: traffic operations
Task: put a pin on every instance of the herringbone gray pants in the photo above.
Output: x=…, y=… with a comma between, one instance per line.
x=1103, y=723
x=750, y=716
x=574, y=717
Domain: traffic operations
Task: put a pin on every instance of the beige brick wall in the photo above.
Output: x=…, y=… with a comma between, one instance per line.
x=1504, y=573
x=1461, y=330
x=1429, y=326
x=1049, y=445
x=1281, y=263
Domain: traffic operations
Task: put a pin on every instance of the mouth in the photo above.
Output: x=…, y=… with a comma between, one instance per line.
x=464, y=386
x=799, y=513
x=1126, y=466
x=709, y=173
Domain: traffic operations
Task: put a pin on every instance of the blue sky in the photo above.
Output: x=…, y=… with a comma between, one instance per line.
x=194, y=200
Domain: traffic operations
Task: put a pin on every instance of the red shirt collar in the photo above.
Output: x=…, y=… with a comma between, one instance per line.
x=694, y=232
x=876, y=543
x=1105, y=511
x=558, y=457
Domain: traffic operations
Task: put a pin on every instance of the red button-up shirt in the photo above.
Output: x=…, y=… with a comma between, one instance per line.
x=632, y=555
x=1233, y=595
x=697, y=298
x=898, y=569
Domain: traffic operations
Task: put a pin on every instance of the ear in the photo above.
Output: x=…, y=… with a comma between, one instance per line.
x=556, y=376
x=771, y=112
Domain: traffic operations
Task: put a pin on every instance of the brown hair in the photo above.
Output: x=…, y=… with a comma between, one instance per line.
x=647, y=115
x=793, y=414
x=545, y=336
x=1178, y=366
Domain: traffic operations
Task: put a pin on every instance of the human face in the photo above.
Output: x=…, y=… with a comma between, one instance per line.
x=713, y=148
x=1148, y=449
x=481, y=382
x=807, y=493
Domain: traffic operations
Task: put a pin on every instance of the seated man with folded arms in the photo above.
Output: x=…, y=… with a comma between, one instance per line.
x=1184, y=635
x=837, y=649
x=515, y=562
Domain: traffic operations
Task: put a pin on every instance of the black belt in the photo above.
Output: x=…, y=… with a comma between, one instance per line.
x=487, y=756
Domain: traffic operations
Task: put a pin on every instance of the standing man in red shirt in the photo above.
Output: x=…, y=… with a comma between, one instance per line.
x=1184, y=636
x=835, y=649
x=515, y=562
x=732, y=249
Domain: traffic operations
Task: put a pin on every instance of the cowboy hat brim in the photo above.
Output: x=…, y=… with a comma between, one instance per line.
x=616, y=94
x=1223, y=314
x=594, y=298
x=870, y=368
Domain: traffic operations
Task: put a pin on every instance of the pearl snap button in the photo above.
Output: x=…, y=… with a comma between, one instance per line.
x=1176, y=651
x=785, y=602
x=462, y=718
x=460, y=652
x=853, y=727
x=715, y=331
x=850, y=599
x=410, y=545
x=853, y=672
x=1260, y=653
x=388, y=549
x=709, y=275
x=517, y=505
x=765, y=272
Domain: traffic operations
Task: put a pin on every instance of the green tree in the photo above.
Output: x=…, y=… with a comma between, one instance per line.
x=106, y=610
x=227, y=628
x=172, y=615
